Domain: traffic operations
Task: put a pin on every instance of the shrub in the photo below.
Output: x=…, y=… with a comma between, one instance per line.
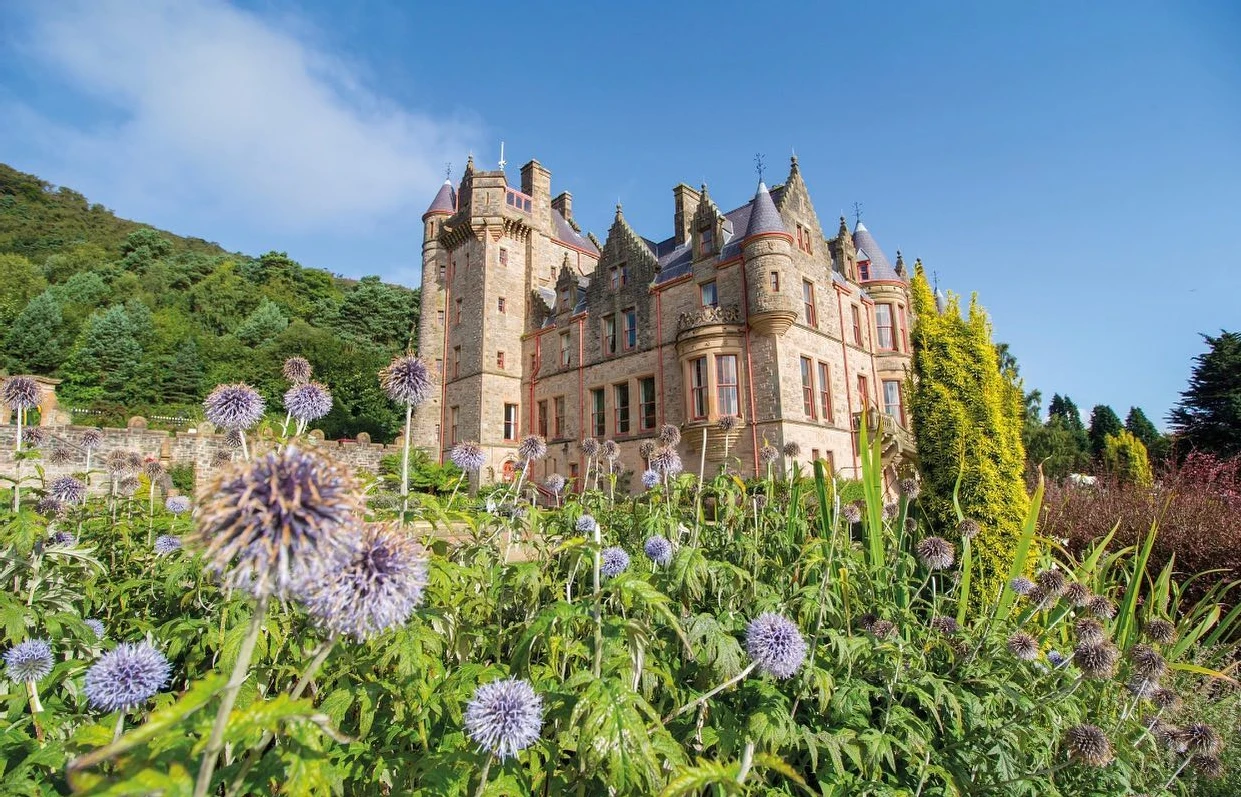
x=1125, y=457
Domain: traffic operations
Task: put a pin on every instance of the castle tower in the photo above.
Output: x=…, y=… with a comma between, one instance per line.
x=426, y=423
x=890, y=293
x=767, y=251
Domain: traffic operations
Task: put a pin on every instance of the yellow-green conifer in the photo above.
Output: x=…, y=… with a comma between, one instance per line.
x=1125, y=456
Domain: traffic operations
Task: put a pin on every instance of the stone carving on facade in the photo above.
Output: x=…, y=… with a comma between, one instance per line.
x=709, y=316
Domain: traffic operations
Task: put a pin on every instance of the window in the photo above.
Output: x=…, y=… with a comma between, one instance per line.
x=775, y=281
x=609, y=335
x=503, y=256
x=500, y=304
x=598, y=413
x=804, y=239
x=646, y=399
x=863, y=390
x=807, y=387
x=564, y=349
x=863, y=270
x=825, y=392
x=454, y=416
x=707, y=236
x=621, y=394
x=807, y=298
x=443, y=272
x=439, y=366
x=572, y=471
x=631, y=328
x=510, y=421
x=456, y=362
x=892, y=399
x=883, y=326
x=457, y=320
x=814, y=456
x=624, y=274
x=857, y=324
x=698, y=388
x=500, y=359
x=558, y=414
x=726, y=384
x=564, y=300
x=614, y=278
x=439, y=318
x=904, y=332
x=542, y=417
x=710, y=298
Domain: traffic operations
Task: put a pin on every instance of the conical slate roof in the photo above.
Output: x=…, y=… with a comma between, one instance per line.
x=764, y=217
x=445, y=201
x=868, y=249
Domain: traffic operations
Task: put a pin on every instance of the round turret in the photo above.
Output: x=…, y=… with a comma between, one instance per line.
x=767, y=251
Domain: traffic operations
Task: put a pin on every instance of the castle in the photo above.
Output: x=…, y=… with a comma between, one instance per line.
x=753, y=313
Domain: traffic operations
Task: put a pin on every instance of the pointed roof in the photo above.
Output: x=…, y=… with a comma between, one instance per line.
x=868, y=249
x=445, y=201
x=764, y=218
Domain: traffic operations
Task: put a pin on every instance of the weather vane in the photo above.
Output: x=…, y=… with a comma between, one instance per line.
x=857, y=213
x=502, y=161
x=758, y=166
x=448, y=170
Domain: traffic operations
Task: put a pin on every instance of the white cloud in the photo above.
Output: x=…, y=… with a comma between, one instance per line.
x=225, y=115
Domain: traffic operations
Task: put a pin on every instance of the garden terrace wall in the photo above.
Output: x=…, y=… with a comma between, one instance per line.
x=196, y=447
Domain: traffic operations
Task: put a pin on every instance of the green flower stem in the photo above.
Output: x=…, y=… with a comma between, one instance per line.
x=1177, y=774
x=409, y=419
x=241, y=669
x=36, y=708
x=120, y=727
x=245, y=452
x=456, y=487
x=704, y=698
x=747, y=760
x=17, y=473
x=482, y=778
x=597, y=667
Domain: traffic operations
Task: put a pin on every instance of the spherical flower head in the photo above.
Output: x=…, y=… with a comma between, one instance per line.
x=586, y=524
x=467, y=456
x=1088, y=744
x=968, y=528
x=532, y=447
x=1201, y=738
x=1166, y=699
x=235, y=406
x=377, y=589
x=935, y=553
x=220, y=458
x=309, y=401
x=153, y=470
x=67, y=490
x=555, y=483
x=504, y=717
x=610, y=450
x=590, y=447
x=1076, y=594
x=613, y=562
x=792, y=449
x=767, y=455
x=727, y=423
x=650, y=479
x=1021, y=586
x=909, y=488
x=96, y=626
x=33, y=436
x=63, y=538
x=1023, y=646
x=646, y=448
x=665, y=461
x=852, y=513
x=116, y=462
x=133, y=461
x=166, y=544
x=1052, y=582
x=1096, y=661
x=1056, y=658
x=775, y=644
x=268, y=523
x=658, y=550
x=91, y=439
x=891, y=510
x=669, y=435
x=1089, y=631
x=866, y=621
x=59, y=455
x=128, y=485
x=297, y=370
x=1161, y=632
x=406, y=380
x=49, y=507
x=883, y=629
x=1208, y=766
x=234, y=438
x=126, y=677
x=20, y=393
x=945, y=625
x=1147, y=662
x=1143, y=688
x=28, y=662
x=1101, y=607
x=177, y=504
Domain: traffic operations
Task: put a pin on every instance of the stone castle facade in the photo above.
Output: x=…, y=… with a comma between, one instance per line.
x=753, y=312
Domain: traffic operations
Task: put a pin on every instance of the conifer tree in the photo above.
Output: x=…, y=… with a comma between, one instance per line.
x=1103, y=422
x=967, y=417
x=1208, y=417
x=1125, y=457
x=1140, y=426
x=33, y=343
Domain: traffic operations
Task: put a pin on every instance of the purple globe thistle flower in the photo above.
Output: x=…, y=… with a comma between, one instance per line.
x=49, y=507
x=1161, y=632
x=867, y=620
x=727, y=423
x=555, y=483
x=504, y=717
x=20, y=393
x=1088, y=744
x=650, y=479
x=665, y=461
x=1142, y=688
x=96, y=626
x=532, y=447
x=297, y=370
x=64, y=538
x=177, y=504
x=909, y=488
x=1147, y=662
x=221, y=458
x=669, y=435
x=883, y=629
x=1201, y=738
x=153, y=470
x=911, y=526
x=1023, y=646
x=128, y=485
x=658, y=550
x=1021, y=586
x=586, y=524
x=1089, y=632
x=1052, y=582
x=33, y=436
x=233, y=438
x=775, y=644
x=406, y=380
x=646, y=448
x=590, y=447
x=309, y=401
x=1076, y=595
x=614, y=562
x=852, y=513
x=59, y=455
x=133, y=461
x=126, y=677
x=1096, y=661
x=792, y=449
x=269, y=523
x=891, y=510
x=610, y=450
x=945, y=625
x=968, y=528
x=935, y=553
x=1208, y=766
x=28, y=662
x=166, y=544
x=1101, y=607
x=67, y=490
x=468, y=456
x=91, y=439
x=378, y=588
x=767, y=455
x=235, y=406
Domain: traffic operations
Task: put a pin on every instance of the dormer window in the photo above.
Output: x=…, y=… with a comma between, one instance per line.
x=564, y=299
x=804, y=239
x=618, y=276
x=706, y=238
x=863, y=270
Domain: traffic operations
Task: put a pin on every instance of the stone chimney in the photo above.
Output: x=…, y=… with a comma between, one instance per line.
x=563, y=204
x=686, y=206
x=537, y=183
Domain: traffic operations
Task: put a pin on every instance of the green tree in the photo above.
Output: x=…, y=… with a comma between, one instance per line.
x=967, y=417
x=20, y=281
x=1208, y=416
x=1125, y=457
x=267, y=321
x=1137, y=424
x=183, y=379
x=106, y=359
x=1053, y=446
x=1103, y=422
x=385, y=314
x=34, y=340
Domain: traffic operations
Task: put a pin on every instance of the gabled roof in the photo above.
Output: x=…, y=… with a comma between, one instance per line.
x=445, y=201
x=764, y=218
x=868, y=249
x=567, y=235
x=676, y=261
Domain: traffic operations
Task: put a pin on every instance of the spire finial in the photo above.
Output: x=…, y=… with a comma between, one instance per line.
x=857, y=213
x=793, y=161
x=618, y=208
x=448, y=171
x=759, y=165
x=502, y=161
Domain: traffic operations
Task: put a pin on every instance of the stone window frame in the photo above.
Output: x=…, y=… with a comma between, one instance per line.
x=608, y=339
x=456, y=362
x=598, y=411
x=642, y=405
x=500, y=360
x=807, y=388
x=900, y=400
x=621, y=412
x=541, y=418
x=711, y=390
x=715, y=290
x=454, y=420
x=501, y=305
x=503, y=258
x=558, y=417
x=890, y=327
x=773, y=281
x=566, y=350
x=629, y=332
x=856, y=315
x=809, y=305
x=825, y=392
x=511, y=422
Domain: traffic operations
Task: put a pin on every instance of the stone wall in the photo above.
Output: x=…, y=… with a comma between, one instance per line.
x=195, y=447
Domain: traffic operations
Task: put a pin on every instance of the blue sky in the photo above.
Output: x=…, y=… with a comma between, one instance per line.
x=1076, y=164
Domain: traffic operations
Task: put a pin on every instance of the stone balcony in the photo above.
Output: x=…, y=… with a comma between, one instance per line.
x=896, y=443
x=773, y=313
x=699, y=327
